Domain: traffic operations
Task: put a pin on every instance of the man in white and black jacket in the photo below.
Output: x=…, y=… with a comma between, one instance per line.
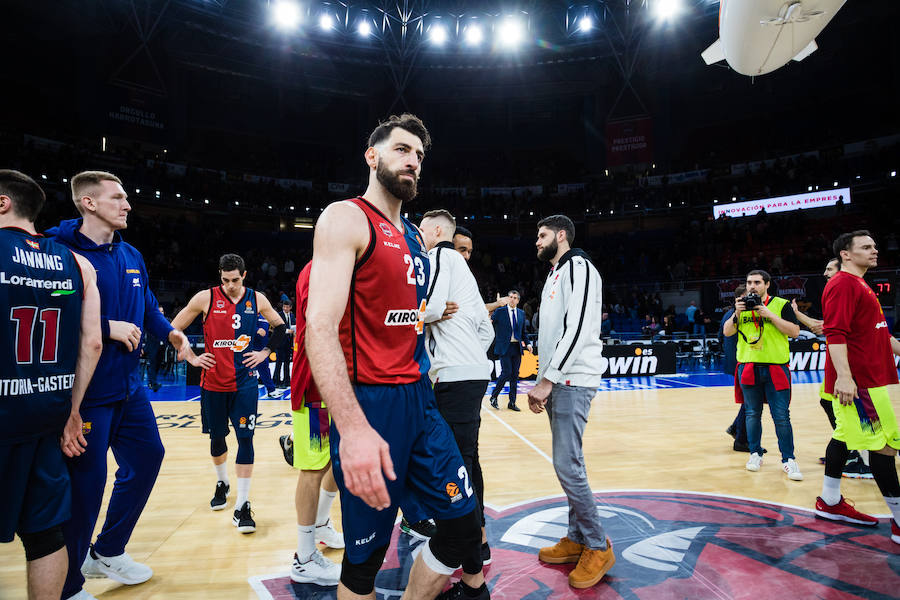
x=570, y=364
x=458, y=334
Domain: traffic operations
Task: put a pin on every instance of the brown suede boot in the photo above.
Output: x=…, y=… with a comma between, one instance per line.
x=592, y=566
x=565, y=551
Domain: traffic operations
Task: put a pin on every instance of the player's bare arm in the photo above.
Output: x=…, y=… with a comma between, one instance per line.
x=844, y=385
x=341, y=236
x=196, y=307
x=254, y=359
x=814, y=325
x=89, y=349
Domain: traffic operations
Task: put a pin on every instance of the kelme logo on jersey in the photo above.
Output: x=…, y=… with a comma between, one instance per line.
x=238, y=345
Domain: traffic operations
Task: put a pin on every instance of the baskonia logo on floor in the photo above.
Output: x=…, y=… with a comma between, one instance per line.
x=668, y=545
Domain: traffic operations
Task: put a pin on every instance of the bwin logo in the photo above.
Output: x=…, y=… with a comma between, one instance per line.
x=406, y=316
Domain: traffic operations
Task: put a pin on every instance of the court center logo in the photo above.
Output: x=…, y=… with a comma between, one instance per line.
x=668, y=545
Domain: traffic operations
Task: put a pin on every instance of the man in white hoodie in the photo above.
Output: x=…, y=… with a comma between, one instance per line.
x=568, y=375
x=458, y=335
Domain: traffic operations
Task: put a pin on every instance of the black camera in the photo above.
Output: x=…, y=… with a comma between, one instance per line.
x=752, y=300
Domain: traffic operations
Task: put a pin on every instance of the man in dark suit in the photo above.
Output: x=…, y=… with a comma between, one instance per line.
x=285, y=353
x=509, y=323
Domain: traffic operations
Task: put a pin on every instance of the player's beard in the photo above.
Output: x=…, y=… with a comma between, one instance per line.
x=548, y=252
x=401, y=189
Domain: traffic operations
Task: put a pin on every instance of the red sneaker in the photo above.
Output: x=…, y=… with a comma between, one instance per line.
x=895, y=532
x=844, y=511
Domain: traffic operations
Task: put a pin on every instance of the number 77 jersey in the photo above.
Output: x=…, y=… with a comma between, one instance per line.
x=41, y=294
x=382, y=330
x=227, y=332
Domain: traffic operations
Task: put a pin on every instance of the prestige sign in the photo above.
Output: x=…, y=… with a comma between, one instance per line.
x=784, y=203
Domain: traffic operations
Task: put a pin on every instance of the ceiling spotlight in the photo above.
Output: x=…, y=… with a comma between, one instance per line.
x=286, y=14
x=438, y=34
x=326, y=22
x=666, y=9
x=511, y=32
x=585, y=24
x=473, y=35
x=364, y=28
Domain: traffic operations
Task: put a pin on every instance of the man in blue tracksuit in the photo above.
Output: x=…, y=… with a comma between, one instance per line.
x=116, y=411
x=260, y=341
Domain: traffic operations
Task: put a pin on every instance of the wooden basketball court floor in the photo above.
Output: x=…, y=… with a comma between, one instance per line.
x=645, y=439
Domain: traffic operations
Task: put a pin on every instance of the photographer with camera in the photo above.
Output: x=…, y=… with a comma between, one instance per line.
x=764, y=323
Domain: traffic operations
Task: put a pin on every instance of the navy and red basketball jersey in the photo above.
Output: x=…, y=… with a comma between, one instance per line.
x=41, y=294
x=303, y=389
x=382, y=331
x=227, y=332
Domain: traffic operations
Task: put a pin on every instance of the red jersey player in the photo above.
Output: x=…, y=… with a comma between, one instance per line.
x=365, y=343
x=228, y=385
x=858, y=368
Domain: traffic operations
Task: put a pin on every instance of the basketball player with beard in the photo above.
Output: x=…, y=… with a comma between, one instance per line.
x=365, y=343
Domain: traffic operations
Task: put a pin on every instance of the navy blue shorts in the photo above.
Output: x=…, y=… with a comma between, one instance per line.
x=426, y=460
x=36, y=494
x=218, y=408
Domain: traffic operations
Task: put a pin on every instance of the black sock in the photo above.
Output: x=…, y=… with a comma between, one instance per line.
x=885, y=473
x=835, y=458
x=471, y=592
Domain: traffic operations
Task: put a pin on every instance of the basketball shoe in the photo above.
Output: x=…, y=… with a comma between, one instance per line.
x=843, y=511
x=318, y=570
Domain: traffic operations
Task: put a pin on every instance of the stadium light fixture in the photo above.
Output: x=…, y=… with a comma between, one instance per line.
x=473, y=35
x=667, y=9
x=809, y=189
x=893, y=174
x=178, y=195
x=438, y=34
x=365, y=28
x=292, y=208
x=206, y=201
x=585, y=24
x=511, y=32
x=326, y=22
x=137, y=190
x=835, y=184
x=286, y=14
x=236, y=203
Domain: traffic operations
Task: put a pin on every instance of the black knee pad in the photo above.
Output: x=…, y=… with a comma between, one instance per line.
x=360, y=578
x=245, y=451
x=217, y=446
x=456, y=538
x=43, y=543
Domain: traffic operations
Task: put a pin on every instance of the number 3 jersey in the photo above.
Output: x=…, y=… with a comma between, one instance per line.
x=41, y=293
x=227, y=332
x=382, y=330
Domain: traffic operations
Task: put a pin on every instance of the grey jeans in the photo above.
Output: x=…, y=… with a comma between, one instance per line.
x=568, y=407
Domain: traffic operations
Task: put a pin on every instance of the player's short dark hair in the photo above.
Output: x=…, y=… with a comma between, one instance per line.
x=460, y=230
x=739, y=291
x=231, y=262
x=559, y=223
x=765, y=276
x=406, y=121
x=440, y=213
x=27, y=196
x=845, y=241
x=516, y=292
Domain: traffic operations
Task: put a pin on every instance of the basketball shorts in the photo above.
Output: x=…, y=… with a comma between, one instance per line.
x=426, y=461
x=312, y=428
x=36, y=494
x=869, y=423
x=218, y=408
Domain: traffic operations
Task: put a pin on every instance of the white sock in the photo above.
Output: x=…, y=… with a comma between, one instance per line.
x=894, y=505
x=222, y=472
x=831, y=490
x=324, y=511
x=306, y=541
x=243, y=491
x=864, y=455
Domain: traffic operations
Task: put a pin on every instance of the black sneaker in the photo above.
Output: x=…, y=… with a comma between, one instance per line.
x=856, y=469
x=287, y=448
x=243, y=519
x=456, y=592
x=485, y=554
x=421, y=530
x=730, y=431
x=218, y=500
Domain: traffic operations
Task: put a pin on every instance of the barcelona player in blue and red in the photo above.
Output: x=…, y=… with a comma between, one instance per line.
x=228, y=389
x=365, y=343
x=51, y=343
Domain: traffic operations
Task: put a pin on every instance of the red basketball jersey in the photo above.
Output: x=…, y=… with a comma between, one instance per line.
x=227, y=331
x=303, y=389
x=382, y=330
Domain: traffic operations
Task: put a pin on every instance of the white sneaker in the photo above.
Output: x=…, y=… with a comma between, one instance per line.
x=89, y=569
x=121, y=568
x=328, y=535
x=792, y=469
x=754, y=462
x=82, y=595
x=318, y=570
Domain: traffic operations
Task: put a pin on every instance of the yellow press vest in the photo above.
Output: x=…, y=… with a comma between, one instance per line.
x=772, y=347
